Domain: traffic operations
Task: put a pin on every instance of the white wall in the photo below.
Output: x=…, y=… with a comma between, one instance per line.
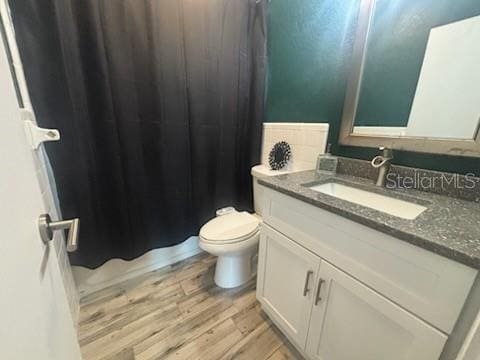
x=447, y=99
x=307, y=141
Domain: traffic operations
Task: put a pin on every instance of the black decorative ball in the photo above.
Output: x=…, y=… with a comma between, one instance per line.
x=279, y=155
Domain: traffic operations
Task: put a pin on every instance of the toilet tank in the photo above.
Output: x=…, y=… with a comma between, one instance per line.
x=258, y=172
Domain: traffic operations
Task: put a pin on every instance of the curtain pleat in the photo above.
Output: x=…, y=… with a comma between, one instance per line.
x=160, y=105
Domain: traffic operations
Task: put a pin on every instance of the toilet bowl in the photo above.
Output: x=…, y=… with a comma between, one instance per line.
x=234, y=237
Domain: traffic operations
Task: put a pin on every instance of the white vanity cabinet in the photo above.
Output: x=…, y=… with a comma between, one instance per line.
x=342, y=291
x=351, y=321
x=288, y=277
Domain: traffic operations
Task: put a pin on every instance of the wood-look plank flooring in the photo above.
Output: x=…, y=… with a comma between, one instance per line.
x=177, y=312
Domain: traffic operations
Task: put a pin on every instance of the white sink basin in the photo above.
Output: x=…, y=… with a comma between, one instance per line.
x=386, y=204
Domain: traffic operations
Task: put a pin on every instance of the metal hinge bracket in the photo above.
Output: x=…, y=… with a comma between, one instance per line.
x=37, y=135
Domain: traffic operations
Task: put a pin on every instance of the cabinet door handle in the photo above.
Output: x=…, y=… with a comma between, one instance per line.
x=306, y=290
x=319, y=287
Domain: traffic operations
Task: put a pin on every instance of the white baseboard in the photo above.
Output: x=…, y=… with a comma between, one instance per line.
x=118, y=270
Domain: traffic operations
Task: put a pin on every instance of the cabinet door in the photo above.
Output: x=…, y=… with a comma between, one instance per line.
x=352, y=322
x=286, y=277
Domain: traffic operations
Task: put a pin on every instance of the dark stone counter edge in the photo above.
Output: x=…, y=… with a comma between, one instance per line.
x=401, y=235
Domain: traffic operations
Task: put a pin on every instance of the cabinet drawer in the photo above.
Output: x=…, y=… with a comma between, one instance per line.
x=431, y=286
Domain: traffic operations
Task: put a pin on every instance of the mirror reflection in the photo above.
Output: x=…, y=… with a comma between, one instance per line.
x=421, y=70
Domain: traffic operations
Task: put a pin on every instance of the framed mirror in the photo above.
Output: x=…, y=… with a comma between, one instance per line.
x=415, y=77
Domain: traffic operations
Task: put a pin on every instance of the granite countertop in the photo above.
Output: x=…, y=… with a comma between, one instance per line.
x=449, y=227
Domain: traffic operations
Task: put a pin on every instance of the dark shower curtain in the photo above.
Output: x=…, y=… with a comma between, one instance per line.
x=160, y=105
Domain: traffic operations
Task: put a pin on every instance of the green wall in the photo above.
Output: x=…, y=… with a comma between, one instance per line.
x=309, y=48
x=309, y=41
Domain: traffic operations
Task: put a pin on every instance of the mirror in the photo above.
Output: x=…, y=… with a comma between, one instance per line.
x=415, y=80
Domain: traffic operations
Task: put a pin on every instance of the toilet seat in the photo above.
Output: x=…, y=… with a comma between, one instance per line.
x=232, y=228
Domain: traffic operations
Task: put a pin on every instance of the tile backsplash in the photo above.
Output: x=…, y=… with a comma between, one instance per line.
x=306, y=140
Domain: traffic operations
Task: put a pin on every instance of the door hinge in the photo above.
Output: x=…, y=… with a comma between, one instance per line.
x=37, y=135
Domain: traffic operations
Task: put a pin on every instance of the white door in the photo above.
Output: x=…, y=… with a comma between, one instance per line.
x=35, y=322
x=286, y=276
x=352, y=322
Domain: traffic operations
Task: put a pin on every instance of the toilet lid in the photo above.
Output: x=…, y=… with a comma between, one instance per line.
x=230, y=227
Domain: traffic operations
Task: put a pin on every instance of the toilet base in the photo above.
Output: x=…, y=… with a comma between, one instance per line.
x=232, y=271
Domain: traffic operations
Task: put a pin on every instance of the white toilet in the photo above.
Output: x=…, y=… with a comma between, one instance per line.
x=233, y=237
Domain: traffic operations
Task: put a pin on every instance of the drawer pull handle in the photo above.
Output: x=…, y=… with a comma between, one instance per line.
x=319, y=287
x=306, y=290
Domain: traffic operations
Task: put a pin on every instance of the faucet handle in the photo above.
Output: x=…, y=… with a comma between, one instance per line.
x=386, y=152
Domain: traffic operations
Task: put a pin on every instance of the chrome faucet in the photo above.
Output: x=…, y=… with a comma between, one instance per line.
x=382, y=162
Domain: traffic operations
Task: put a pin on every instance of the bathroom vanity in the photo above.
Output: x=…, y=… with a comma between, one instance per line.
x=347, y=281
